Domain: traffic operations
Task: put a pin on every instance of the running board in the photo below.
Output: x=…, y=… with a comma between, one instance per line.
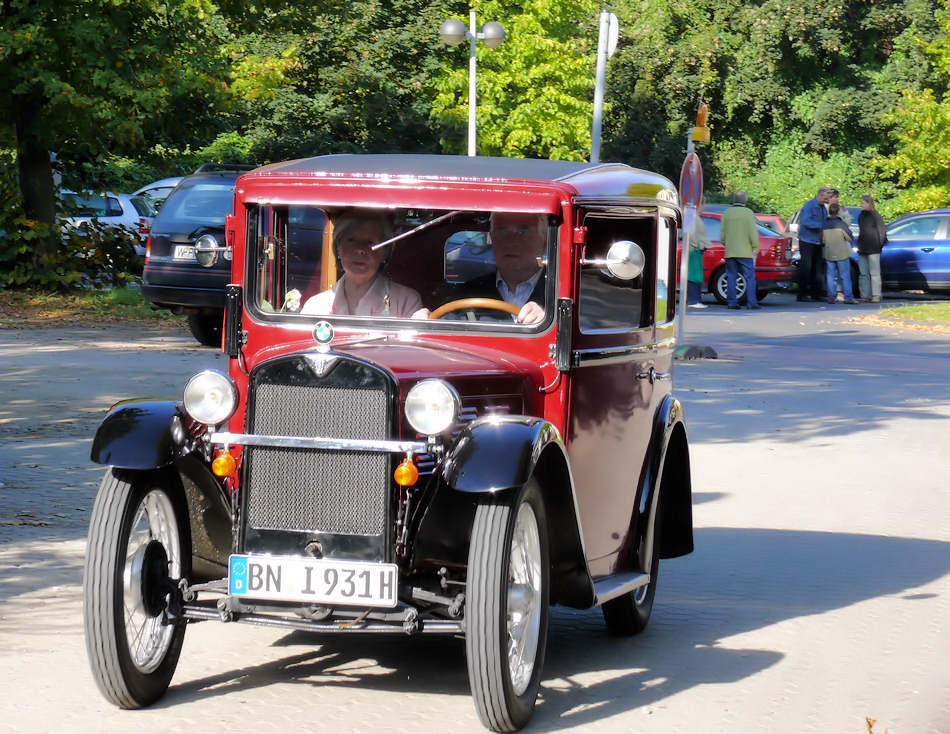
x=619, y=584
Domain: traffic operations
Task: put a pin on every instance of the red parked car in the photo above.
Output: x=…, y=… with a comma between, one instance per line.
x=774, y=269
x=421, y=458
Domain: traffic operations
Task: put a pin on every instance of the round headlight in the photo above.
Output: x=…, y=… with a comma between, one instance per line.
x=210, y=397
x=432, y=407
x=206, y=250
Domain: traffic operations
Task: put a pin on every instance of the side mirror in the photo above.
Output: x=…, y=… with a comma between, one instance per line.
x=625, y=260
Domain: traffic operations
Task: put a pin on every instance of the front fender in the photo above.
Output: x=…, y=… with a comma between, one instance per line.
x=139, y=434
x=496, y=454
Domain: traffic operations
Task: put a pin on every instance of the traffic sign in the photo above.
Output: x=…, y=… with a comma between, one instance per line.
x=691, y=181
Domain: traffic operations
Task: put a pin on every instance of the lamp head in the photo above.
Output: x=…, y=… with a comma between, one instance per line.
x=493, y=34
x=452, y=31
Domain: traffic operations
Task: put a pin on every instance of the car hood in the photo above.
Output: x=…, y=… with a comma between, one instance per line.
x=470, y=368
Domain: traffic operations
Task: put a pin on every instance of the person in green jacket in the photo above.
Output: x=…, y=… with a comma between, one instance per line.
x=741, y=239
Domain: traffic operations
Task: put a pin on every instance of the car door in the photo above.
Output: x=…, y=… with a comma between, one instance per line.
x=909, y=252
x=619, y=374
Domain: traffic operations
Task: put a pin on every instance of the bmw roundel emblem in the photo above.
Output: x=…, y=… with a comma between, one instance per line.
x=323, y=332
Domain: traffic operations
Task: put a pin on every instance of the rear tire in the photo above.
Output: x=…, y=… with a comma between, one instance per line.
x=506, y=608
x=629, y=614
x=206, y=328
x=718, y=286
x=138, y=542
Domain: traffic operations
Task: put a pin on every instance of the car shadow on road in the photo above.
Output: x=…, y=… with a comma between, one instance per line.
x=766, y=576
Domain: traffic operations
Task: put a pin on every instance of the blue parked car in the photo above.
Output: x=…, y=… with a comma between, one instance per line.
x=917, y=253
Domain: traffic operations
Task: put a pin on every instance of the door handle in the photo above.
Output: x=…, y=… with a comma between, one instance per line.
x=653, y=375
x=927, y=249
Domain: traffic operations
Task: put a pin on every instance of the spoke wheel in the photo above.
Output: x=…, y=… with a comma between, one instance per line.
x=138, y=543
x=506, y=608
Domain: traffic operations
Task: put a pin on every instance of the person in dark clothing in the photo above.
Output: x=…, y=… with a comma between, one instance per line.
x=811, y=265
x=519, y=241
x=872, y=236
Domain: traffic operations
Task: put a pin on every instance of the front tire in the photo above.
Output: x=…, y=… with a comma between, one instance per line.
x=138, y=546
x=506, y=609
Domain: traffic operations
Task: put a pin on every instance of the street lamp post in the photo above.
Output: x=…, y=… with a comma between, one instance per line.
x=492, y=35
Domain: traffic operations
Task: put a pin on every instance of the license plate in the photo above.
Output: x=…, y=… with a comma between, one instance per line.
x=184, y=252
x=290, y=578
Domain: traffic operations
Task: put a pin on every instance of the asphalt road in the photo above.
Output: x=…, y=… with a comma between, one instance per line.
x=817, y=595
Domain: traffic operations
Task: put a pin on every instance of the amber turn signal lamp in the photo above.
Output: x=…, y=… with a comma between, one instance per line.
x=406, y=473
x=224, y=465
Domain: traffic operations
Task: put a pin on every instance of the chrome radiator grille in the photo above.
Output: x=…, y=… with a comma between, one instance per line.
x=328, y=491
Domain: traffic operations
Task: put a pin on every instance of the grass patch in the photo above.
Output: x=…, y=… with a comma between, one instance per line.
x=924, y=313
x=31, y=308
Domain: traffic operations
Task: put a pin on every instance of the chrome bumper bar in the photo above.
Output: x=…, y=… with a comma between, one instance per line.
x=223, y=438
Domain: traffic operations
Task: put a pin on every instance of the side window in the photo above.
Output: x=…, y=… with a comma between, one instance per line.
x=921, y=228
x=664, y=270
x=713, y=228
x=113, y=207
x=607, y=303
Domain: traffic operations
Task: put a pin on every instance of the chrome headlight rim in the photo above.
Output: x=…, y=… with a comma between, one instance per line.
x=222, y=406
x=419, y=401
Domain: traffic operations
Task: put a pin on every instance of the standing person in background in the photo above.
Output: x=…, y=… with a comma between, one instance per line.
x=836, y=237
x=698, y=244
x=810, y=275
x=741, y=238
x=842, y=210
x=872, y=236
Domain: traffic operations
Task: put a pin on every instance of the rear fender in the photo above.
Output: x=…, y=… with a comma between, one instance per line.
x=666, y=476
x=498, y=456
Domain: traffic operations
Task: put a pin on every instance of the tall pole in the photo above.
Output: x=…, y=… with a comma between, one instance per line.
x=689, y=233
x=473, y=39
x=599, y=87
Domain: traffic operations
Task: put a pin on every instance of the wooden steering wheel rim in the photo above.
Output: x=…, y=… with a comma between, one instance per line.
x=461, y=303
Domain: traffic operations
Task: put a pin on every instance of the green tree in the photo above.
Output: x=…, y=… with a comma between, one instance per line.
x=89, y=76
x=535, y=91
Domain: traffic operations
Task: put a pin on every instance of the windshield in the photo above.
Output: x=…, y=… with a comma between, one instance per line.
x=487, y=269
x=195, y=204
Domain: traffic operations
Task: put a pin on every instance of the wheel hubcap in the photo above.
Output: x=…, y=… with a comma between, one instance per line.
x=524, y=599
x=152, y=557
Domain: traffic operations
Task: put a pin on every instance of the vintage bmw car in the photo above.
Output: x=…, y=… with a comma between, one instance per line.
x=451, y=451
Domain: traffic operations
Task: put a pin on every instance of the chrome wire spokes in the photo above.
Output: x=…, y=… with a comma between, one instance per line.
x=524, y=598
x=153, y=522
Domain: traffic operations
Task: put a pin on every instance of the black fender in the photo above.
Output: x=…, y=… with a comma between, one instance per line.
x=149, y=436
x=498, y=456
x=139, y=434
x=664, y=497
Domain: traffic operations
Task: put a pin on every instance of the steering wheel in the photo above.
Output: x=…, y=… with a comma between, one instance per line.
x=468, y=303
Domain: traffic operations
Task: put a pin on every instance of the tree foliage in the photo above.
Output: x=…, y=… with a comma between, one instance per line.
x=534, y=92
x=852, y=93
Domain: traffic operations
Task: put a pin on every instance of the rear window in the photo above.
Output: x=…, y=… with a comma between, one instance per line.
x=142, y=206
x=194, y=204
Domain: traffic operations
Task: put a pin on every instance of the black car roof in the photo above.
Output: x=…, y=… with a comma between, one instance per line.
x=593, y=179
